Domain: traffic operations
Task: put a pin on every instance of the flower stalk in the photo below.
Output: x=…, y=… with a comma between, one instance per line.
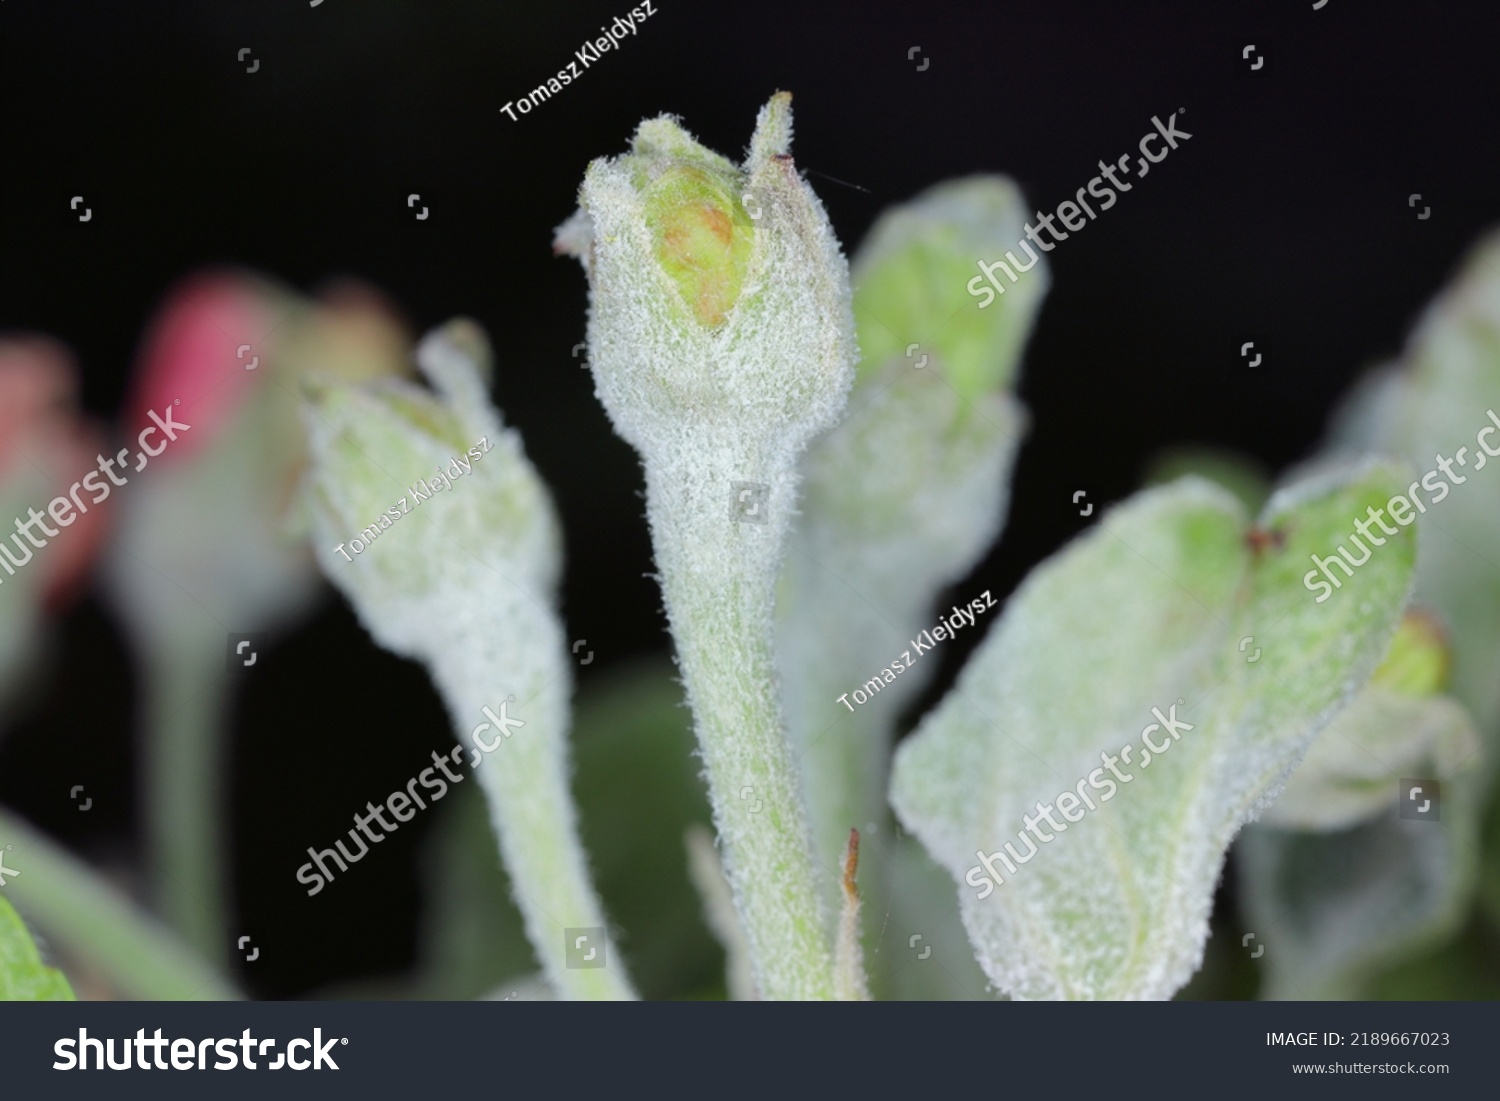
x=721, y=340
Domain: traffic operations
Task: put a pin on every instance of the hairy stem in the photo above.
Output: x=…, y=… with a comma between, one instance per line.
x=526, y=783
x=718, y=565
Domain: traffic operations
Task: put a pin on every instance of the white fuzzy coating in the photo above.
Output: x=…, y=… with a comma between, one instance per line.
x=778, y=370
x=1143, y=611
x=708, y=407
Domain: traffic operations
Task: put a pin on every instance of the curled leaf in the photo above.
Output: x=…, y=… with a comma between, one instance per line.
x=1130, y=651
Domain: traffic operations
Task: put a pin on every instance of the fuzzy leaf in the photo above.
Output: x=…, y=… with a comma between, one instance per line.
x=902, y=498
x=1446, y=396
x=1144, y=612
x=909, y=271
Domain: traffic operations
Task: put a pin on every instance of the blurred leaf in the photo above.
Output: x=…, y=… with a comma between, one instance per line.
x=1144, y=610
x=1445, y=394
x=1346, y=902
x=1330, y=906
x=23, y=975
x=638, y=790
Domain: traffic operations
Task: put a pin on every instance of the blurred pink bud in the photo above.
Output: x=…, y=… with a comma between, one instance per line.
x=206, y=350
x=225, y=357
x=46, y=447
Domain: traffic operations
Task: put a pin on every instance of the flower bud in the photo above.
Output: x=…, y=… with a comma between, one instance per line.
x=45, y=448
x=703, y=238
x=718, y=291
x=391, y=524
x=225, y=354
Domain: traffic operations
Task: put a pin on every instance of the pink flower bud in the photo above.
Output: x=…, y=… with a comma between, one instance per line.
x=207, y=349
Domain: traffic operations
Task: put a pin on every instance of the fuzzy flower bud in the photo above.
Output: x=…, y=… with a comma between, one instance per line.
x=442, y=486
x=718, y=291
x=456, y=555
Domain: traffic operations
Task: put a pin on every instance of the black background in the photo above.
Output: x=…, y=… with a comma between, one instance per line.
x=1284, y=219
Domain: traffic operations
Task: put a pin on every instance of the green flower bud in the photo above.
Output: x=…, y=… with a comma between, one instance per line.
x=914, y=279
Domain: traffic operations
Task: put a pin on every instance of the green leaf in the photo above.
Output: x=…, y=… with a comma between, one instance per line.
x=913, y=284
x=1348, y=901
x=23, y=975
x=1144, y=620
x=901, y=499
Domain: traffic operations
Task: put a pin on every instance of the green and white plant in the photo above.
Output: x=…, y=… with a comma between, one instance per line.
x=824, y=453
